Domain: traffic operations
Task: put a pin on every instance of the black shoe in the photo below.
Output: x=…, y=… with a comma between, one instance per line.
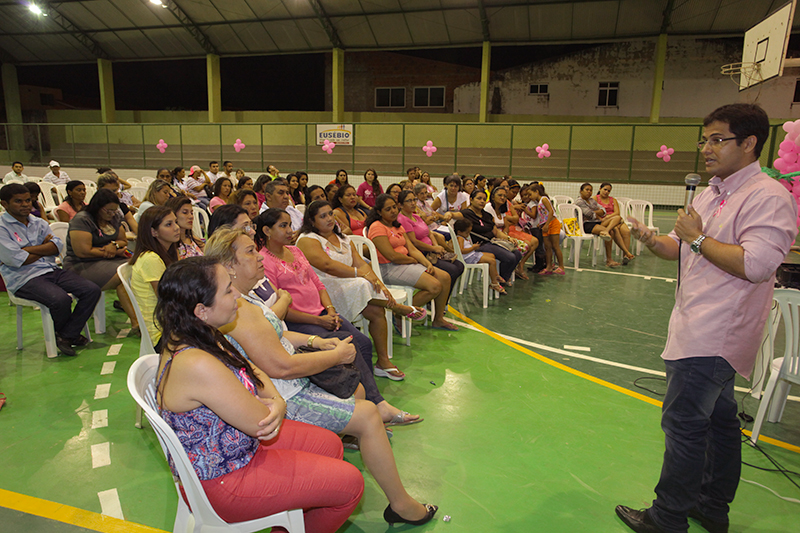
x=393, y=518
x=710, y=525
x=80, y=341
x=638, y=521
x=65, y=347
x=118, y=306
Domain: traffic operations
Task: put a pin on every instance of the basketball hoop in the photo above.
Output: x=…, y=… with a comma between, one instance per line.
x=749, y=73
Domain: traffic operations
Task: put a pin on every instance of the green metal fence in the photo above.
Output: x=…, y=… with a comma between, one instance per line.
x=622, y=153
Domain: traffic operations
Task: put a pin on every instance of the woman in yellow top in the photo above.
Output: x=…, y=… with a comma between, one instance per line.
x=156, y=249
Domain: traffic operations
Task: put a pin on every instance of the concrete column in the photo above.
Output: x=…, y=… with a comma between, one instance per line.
x=214, y=88
x=108, y=107
x=13, y=106
x=486, y=62
x=337, y=85
x=658, y=78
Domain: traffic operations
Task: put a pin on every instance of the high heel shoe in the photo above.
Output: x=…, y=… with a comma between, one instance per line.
x=393, y=518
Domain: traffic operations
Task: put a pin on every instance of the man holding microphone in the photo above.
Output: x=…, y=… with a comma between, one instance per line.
x=730, y=243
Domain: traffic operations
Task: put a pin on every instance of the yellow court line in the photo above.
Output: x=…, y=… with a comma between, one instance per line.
x=70, y=515
x=604, y=383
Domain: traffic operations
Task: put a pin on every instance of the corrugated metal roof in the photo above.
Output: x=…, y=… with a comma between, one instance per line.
x=126, y=30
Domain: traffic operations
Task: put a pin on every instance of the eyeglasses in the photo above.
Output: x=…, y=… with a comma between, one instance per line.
x=714, y=142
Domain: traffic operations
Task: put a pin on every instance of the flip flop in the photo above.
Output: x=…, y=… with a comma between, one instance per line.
x=606, y=236
x=498, y=288
x=452, y=327
x=400, y=420
x=392, y=373
x=418, y=314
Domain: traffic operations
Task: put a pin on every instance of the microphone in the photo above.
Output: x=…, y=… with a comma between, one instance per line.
x=692, y=181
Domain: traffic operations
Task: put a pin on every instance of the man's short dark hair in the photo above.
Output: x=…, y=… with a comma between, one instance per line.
x=223, y=163
x=17, y=163
x=213, y=163
x=12, y=189
x=269, y=187
x=743, y=120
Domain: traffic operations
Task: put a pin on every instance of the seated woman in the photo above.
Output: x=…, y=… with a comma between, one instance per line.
x=352, y=286
x=230, y=418
x=340, y=179
x=247, y=199
x=156, y=244
x=540, y=208
x=436, y=221
x=451, y=200
x=244, y=183
x=596, y=222
x=330, y=192
x=425, y=240
x=506, y=218
x=195, y=185
x=157, y=194
x=369, y=189
x=426, y=179
x=223, y=188
x=311, y=310
x=231, y=215
x=74, y=202
x=36, y=208
x=294, y=189
x=264, y=339
x=314, y=193
x=97, y=245
x=393, y=190
x=111, y=181
x=621, y=234
x=467, y=186
x=188, y=245
x=402, y=264
x=349, y=214
x=258, y=188
x=485, y=229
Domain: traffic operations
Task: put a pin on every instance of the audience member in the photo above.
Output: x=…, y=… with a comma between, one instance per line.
x=223, y=188
x=348, y=213
x=213, y=172
x=451, y=200
x=472, y=255
x=393, y=190
x=426, y=179
x=247, y=199
x=369, y=189
x=545, y=219
x=330, y=191
x=484, y=228
x=621, y=233
x=188, y=245
x=596, y=221
x=277, y=196
x=56, y=176
x=157, y=194
x=302, y=177
x=227, y=171
x=314, y=193
x=74, y=201
x=16, y=172
x=340, y=179
x=295, y=196
x=244, y=183
x=28, y=250
x=36, y=192
x=110, y=181
x=506, y=218
x=258, y=188
x=231, y=215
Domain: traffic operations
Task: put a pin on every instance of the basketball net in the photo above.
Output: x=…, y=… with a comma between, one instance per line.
x=747, y=72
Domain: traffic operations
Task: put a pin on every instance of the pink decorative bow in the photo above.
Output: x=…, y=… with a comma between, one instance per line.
x=543, y=151
x=238, y=145
x=429, y=148
x=665, y=153
x=162, y=146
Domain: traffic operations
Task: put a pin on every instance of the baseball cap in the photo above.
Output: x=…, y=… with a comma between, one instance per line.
x=53, y=163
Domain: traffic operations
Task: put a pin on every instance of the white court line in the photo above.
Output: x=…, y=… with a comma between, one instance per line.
x=589, y=357
x=101, y=454
x=109, y=503
x=123, y=333
x=668, y=280
x=578, y=348
x=108, y=368
x=114, y=349
x=100, y=418
x=102, y=391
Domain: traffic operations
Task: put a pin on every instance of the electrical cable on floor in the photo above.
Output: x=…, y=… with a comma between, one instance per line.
x=791, y=500
x=780, y=468
x=636, y=384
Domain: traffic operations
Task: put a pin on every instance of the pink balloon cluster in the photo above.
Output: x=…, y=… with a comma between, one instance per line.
x=162, y=146
x=328, y=146
x=665, y=153
x=429, y=148
x=793, y=185
x=238, y=145
x=543, y=151
x=788, y=150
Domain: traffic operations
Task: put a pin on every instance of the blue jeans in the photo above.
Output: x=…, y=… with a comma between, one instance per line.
x=51, y=290
x=508, y=259
x=703, y=457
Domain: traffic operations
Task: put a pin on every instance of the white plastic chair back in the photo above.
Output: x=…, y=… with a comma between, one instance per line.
x=200, y=224
x=642, y=211
x=60, y=230
x=561, y=199
x=301, y=208
x=14, y=180
x=785, y=370
x=483, y=268
x=623, y=202
x=201, y=517
x=147, y=180
x=33, y=179
x=48, y=201
x=125, y=271
x=567, y=211
x=138, y=192
x=135, y=182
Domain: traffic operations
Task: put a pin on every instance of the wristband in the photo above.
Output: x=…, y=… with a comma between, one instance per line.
x=330, y=307
x=311, y=341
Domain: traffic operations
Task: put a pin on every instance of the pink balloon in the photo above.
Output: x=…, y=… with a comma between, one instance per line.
x=545, y=147
x=670, y=151
x=238, y=145
x=790, y=157
x=429, y=144
x=667, y=157
x=787, y=126
x=429, y=148
x=787, y=145
x=541, y=155
x=162, y=146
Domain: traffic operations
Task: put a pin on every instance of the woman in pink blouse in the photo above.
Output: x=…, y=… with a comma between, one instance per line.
x=369, y=189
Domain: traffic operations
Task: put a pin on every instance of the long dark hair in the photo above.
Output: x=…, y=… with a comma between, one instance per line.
x=376, y=187
x=336, y=176
x=375, y=214
x=337, y=200
x=101, y=198
x=71, y=187
x=267, y=219
x=308, y=218
x=182, y=286
x=175, y=204
x=503, y=208
x=151, y=219
x=296, y=194
x=224, y=215
x=218, y=186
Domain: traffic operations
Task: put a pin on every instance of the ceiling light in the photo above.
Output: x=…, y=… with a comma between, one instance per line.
x=157, y=2
x=36, y=10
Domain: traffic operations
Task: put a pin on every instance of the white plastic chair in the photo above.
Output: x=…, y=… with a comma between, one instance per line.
x=47, y=323
x=198, y=516
x=135, y=182
x=402, y=295
x=642, y=211
x=147, y=180
x=138, y=191
x=200, y=224
x=466, y=277
x=623, y=202
x=91, y=189
x=301, y=207
x=573, y=211
x=561, y=199
x=48, y=202
x=785, y=370
x=62, y=191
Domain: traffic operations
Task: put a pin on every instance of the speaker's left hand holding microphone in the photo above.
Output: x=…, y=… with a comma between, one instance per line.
x=689, y=225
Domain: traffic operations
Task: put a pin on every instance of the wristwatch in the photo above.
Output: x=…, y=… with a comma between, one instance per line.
x=695, y=245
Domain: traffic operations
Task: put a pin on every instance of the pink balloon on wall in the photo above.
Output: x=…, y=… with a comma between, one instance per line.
x=429, y=148
x=238, y=145
x=162, y=146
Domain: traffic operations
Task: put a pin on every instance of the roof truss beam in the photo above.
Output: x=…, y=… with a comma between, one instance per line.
x=189, y=25
x=326, y=23
x=84, y=38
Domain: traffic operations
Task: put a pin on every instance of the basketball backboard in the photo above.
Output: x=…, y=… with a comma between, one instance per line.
x=765, y=46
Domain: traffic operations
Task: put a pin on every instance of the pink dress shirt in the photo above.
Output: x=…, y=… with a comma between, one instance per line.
x=717, y=314
x=297, y=278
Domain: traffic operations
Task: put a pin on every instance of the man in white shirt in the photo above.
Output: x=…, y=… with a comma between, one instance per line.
x=276, y=193
x=213, y=171
x=56, y=176
x=227, y=170
x=16, y=172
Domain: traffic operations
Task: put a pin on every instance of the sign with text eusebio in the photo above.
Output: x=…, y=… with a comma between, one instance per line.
x=336, y=133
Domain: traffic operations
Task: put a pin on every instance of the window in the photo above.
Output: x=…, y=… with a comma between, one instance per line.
x=607, y=97
x=539, y=88
x=47, y=99
x=390, y=97
x=796, y=99
x=428, y=96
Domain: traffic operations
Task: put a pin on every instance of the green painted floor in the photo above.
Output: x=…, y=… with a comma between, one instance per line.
x=509, y=443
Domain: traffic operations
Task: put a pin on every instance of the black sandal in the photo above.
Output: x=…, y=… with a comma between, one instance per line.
x=393, y=518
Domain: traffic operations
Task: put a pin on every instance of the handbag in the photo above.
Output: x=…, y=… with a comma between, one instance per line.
x=340, y=380
x=508, y=245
